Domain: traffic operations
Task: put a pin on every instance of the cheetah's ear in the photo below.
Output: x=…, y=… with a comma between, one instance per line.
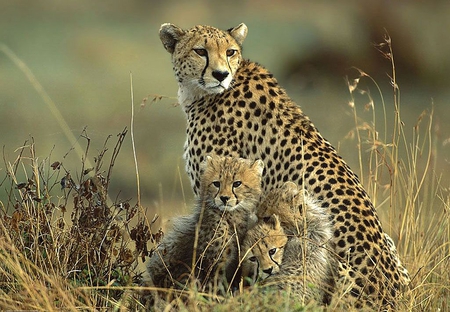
x=290, y=188
x=208, y=161
x=239, y=33
x=259, y=166
x=273, y=221
x=170, y=35
x=205, y=164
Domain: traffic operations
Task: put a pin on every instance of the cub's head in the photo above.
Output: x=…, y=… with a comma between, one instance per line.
x=229, y=183
x=299, y=212
x=204, y=58
x=263, y=249
x=287, y=202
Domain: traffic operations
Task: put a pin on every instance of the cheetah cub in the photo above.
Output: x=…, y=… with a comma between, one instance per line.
x=263, y=249
x=289, y=247
x=202, y=247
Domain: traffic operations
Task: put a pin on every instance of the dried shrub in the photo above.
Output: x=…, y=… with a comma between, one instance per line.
x=63, y=233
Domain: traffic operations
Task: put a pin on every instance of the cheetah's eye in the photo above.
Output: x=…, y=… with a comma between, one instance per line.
x=216, y=184
x=201, y=52
x=237, y=183
x=272, y=251
x=231, y=52
x=252, y=259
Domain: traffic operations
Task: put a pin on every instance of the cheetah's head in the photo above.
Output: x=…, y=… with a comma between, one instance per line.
x=204, y=58
x=263, y=248
x=230, y=183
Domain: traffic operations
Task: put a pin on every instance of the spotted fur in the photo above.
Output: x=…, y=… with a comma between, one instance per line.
x=252, y=117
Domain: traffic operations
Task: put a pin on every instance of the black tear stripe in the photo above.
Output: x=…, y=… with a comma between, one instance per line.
x=217, y=194
x=273, y=260
x=204, y=69
x=235, y=196
x=257, y=271
x=228, y=60
x=229, y=66
x=238, y=200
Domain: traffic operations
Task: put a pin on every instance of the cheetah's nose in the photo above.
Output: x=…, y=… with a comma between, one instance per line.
x=224, y=199
x=268, y=271
x=219, y=75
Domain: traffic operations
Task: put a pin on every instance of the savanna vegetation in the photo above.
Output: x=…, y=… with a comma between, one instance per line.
x=68, y=243
x=77, y=224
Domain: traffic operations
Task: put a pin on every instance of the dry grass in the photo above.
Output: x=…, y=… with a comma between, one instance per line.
x=64, y=244
x=398, y=168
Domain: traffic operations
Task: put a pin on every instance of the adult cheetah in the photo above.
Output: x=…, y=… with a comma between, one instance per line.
x=203, y=246
x=236, y=107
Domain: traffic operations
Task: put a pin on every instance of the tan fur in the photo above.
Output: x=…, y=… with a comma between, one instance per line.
x=287, y=203
x=211, y=233
x=307, y=264
x=300, y=214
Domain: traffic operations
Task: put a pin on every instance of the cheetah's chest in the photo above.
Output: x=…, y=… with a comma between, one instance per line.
x=226, y=126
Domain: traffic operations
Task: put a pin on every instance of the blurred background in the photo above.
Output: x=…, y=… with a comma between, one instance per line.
x=82, y=53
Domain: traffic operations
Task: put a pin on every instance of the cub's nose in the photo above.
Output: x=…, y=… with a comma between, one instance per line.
x=224, y=199
x=219, y=75
x=268, y=271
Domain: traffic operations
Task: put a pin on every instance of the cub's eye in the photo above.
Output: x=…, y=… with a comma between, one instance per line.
x=252, y=259
x=237, y=183
x=216, y=184
x=230, y=52
x=272, y=251
x=201, y=52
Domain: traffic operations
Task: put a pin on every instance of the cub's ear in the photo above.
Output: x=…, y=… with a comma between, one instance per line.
x=273, y=221
x=206, y=163
x=208, y=159
x=290, y=188
x=239, y=33
x=170, y=35
x=259, y=166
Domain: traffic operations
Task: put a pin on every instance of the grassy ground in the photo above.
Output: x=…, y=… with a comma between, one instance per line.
x=68, y=242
